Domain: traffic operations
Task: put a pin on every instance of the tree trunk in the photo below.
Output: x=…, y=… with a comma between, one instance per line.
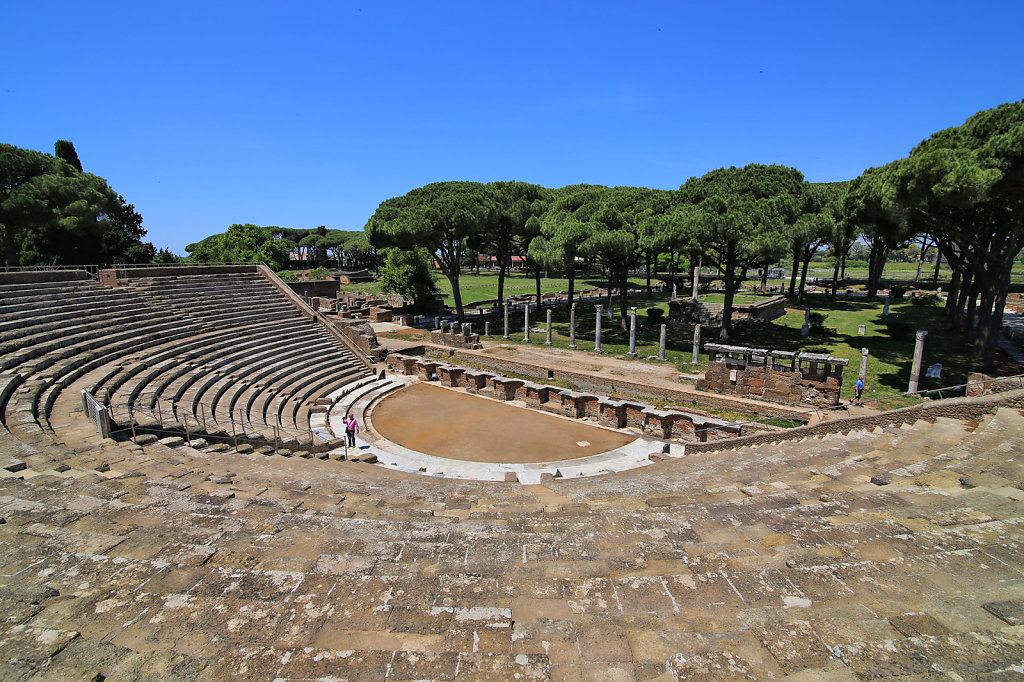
x=835, y=277
x=793, y=273
x=876, y=264
x=572, y=282
x=10, y=247
x=624, y=298
x=764, y=277
x=501, y=283
x=803, y=274
x=966, y=287
x=536, y=276
x=969, y=314
x=938, y=264
x=730, y=293
x=648, y=277
x=953, y=294
x=995, y=321
x=453, y=276
x=920, y=259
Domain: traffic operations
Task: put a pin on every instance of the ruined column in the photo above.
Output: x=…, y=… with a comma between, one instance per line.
x=597, y=330
x=487, y=327
x=526, y=322
x=547, y=341
x=506, y=320
x=885, y=309
x=673, y=291
x=696, y=280
x=806, y=329
x=661, y=343
x=632, y=333
x=915, y=370
x=696, y=344
x=863, y=363
x=572, y=326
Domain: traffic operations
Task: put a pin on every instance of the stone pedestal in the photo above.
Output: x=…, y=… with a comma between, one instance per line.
x=863, y=363
x=915, y=370
x=806, y=329
x=862, y=330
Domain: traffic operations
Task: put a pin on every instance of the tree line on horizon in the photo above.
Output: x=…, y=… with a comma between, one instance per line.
x=961, y=190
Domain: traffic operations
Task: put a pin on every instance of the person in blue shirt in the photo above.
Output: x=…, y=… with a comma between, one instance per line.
x=860, y=389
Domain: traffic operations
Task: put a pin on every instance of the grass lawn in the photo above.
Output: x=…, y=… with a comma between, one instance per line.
x=484, y=286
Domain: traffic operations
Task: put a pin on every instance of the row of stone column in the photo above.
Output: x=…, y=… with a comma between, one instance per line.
x=597, y=331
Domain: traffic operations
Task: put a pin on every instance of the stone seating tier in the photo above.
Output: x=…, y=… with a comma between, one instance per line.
x=764, y=560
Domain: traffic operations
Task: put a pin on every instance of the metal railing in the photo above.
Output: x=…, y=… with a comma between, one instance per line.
x=97, y=412
x=91, y=270
x=204, y=423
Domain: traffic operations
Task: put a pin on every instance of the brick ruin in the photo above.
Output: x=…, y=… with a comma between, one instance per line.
x=781, y=376
x=456, y=335
x=666, y=424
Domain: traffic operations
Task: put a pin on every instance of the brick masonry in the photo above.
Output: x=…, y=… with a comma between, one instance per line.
x=797, y=379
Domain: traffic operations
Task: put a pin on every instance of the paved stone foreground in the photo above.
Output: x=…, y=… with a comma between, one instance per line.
x=164, y=563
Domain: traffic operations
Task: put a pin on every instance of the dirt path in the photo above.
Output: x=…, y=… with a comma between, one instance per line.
x=455, y=425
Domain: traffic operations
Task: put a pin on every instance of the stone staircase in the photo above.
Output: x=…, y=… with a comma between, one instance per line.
x=893, y=552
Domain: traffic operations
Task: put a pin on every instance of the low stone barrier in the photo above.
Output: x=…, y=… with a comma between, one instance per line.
x=667, y=424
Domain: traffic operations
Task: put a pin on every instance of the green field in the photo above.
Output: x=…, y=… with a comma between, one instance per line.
x=485, y=285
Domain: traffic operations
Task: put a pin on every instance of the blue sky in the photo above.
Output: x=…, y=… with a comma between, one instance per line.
x=306, y=114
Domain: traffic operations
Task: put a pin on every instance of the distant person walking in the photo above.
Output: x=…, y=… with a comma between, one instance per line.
x=351, y=426
x=860, y=389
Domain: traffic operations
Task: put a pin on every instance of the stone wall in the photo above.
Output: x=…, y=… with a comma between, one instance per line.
x=953, y=408
x=668, y=424
x=793, y=378
x=112, y=276
x=28, y=276
x=327, y=288
x=361, y=334
x=983, y=384
x=608, y=386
